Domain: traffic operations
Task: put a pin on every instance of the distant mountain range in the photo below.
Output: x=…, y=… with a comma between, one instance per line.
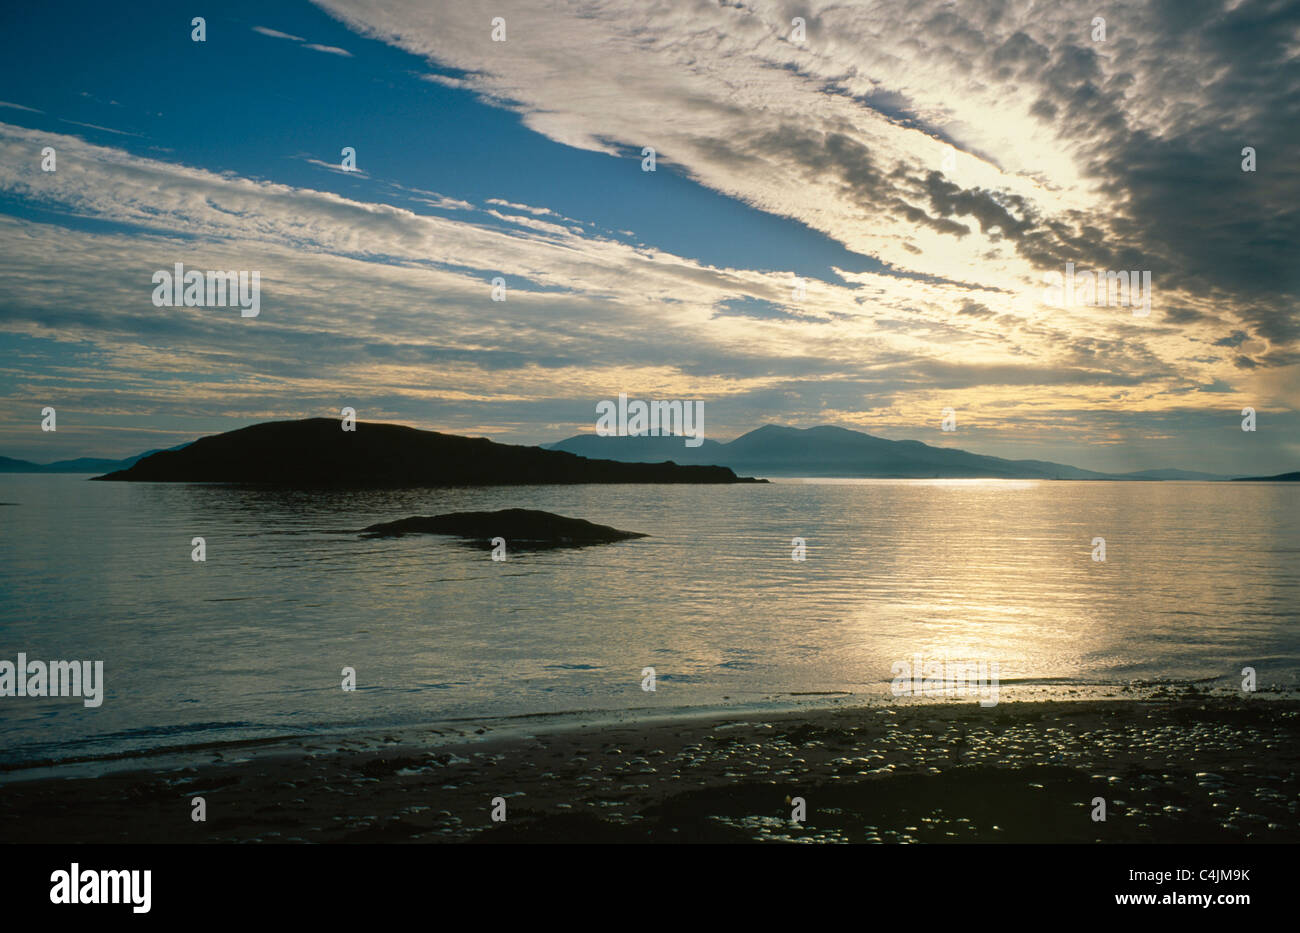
x=773, y=450
x=318, y=452
x=79, y=465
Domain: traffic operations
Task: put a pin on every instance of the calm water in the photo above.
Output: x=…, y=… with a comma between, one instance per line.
x=1200, y=580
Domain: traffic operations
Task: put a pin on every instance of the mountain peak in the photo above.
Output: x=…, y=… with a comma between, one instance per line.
x=820, y=430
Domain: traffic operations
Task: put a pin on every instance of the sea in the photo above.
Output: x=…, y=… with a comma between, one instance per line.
x=712, y=610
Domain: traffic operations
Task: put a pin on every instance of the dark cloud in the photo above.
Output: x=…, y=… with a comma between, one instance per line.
x=1179, y=204
x=1235, y=339
x=975, y=309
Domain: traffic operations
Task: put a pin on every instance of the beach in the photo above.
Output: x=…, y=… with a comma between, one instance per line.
x=1178, y=768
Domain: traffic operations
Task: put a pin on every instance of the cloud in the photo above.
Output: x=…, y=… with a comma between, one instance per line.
x=1235, y=339
x=446, y=81
x=103, y=129
x=330, y=49
x=447, y=204
x=276, y=34
x=979, y=143
x=336, y=167
x=540, y=211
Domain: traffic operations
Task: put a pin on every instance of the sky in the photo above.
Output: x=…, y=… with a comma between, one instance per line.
x=853, y=221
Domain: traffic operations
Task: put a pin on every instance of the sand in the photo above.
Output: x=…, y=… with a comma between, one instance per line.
x=1184, y=770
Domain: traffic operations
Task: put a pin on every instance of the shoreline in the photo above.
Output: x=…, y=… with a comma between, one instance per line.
x=450, y=730
x=1186, y=768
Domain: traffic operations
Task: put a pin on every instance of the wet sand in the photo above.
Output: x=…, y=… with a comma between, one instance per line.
x=1182, y=770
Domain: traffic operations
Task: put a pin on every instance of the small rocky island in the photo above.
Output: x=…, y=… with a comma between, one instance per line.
x=522, y=529
x=317, y=452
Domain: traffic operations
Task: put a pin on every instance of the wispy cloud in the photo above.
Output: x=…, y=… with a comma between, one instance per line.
x=277, y=34
x=330, y=49
x=540, y=211
x=336, y=167
x=104, y=129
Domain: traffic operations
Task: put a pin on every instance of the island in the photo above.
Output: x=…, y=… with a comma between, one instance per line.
x=522, y=529
x=318, y=452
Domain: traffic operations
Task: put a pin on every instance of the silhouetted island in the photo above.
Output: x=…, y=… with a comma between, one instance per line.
x=1279, y=478
x=527, y=529
x=318, y=452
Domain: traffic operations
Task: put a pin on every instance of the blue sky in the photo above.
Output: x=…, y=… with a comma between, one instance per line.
x=919, y=166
